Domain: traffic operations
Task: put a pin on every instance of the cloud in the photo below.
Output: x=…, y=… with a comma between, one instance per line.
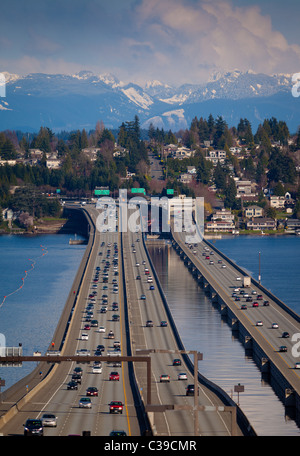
x=196, y=36
x=176, y=41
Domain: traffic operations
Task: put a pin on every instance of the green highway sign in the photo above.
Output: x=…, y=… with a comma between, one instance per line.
x=138, y=190
x=101, y=192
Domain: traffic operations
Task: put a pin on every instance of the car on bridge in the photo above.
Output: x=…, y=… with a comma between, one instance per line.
x=176, y=362
x=149, y=324
x=118, y=433
x=48, y=419
x=97, y=368
x=182, y=376
x=72, y=385
x=33, y=427
x=116, y=407
x=190, y=390
x=163, y=323
x=85, y=402
x=164, y=378
x=114, y=376
x=92, y=391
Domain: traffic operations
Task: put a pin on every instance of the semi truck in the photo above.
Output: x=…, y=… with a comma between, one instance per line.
x=247, y=281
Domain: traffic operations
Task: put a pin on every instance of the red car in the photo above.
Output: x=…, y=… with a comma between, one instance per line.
x=114, y=376
x=255, y=304
x=92, y=391
x=87, y=327
x=116, y=407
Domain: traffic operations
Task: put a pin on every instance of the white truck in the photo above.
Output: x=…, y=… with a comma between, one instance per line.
x=247, y=281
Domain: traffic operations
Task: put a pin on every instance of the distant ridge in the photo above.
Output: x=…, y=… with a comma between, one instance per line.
x=69, y=102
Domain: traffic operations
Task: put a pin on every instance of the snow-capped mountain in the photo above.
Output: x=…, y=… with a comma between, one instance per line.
x=67, y=102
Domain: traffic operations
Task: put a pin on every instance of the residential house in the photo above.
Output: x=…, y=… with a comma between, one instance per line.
x=191, y=170
x=186, y=178
x=215, y=156
x=243, y=187
x=253, y=211
x=277, y=202
x=223, y=215
x=217, y=226
x=261, y=223
x=183, y=152
x=91, y=152
x=292, y=225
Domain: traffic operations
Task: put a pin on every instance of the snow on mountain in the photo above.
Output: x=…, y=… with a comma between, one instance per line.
x=72, y=101
x=137, y=96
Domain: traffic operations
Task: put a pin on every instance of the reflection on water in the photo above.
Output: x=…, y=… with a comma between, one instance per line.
x=224, y=361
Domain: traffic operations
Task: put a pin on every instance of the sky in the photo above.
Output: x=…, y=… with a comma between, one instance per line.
x=173, y=41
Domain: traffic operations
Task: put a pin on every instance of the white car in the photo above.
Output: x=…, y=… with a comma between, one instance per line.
x=97, y=369
x=182, y=376
x=297, y=365
x=101, y=329
x=84, y=336
x=259, y=323
x=238, y=278
x=49, y=419
x=274, y=325
x=149, y=280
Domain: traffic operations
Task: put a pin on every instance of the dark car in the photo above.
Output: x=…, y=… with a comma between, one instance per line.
x=283, y=348
x=285, y=335
x=176, y=362
x=190, y=390
x=118, y=433
x=163, y=323
x=33, y=427
x=76, y=378
x=92, y=391
x=72, y=385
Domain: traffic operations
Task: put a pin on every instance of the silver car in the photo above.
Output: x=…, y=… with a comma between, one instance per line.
x=85, y=402
x=48, y=419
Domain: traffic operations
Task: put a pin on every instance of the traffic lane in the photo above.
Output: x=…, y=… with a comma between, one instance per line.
x=72, y=427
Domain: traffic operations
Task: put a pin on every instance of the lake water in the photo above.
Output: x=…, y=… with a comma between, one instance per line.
x=36, y=275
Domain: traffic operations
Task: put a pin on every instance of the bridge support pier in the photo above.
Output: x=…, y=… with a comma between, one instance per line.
x=248, y=343
x=289, y=398
x=234, y=324
x=265, y=366
x=223, y=309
